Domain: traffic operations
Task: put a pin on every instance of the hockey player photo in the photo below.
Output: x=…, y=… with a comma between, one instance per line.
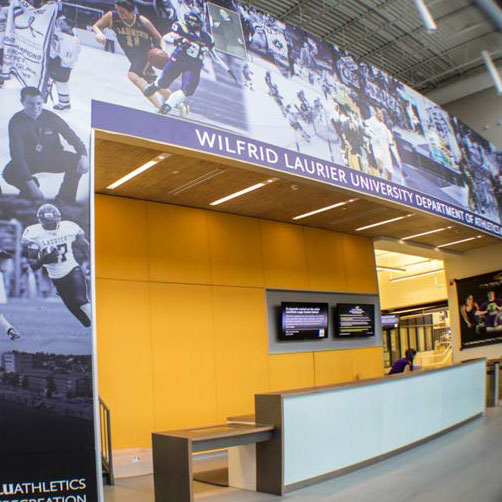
x=51, y=243
x=227, y=31
x=192, y=43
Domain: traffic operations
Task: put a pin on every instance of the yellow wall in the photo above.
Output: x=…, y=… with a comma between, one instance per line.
x=182, y=336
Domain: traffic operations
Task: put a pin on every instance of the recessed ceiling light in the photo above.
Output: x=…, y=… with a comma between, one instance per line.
x=243, y=192
x=139, y=170
x=458, y=242
x=414, y=276
x=392, y=220
x=322, y=209
x=425, y=233
x=381, y=268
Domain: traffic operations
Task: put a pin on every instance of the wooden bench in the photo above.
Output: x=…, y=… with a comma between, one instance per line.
x=172, y=454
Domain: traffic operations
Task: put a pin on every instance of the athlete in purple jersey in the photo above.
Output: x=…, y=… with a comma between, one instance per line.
x=192, y=44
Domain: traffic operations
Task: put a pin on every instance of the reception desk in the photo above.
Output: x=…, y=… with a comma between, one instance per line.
x=321, y=432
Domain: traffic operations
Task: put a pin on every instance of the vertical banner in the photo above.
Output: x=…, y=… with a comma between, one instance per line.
x=47, y=433
x=480, y=309
x=27, y=40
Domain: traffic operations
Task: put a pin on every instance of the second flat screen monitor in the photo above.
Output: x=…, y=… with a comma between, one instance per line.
x=355, y=320
x=303, y=321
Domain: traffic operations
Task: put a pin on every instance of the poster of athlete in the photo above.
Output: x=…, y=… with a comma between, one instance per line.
x=46, y=376
x=480, y=308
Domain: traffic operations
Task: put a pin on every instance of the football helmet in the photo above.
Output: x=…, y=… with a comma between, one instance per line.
x=49, y=216
x=193, y=21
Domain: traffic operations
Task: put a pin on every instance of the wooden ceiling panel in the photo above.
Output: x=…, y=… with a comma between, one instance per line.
x=198, y=180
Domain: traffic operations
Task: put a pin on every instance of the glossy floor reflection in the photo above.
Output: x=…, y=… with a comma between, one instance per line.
x=462, y=466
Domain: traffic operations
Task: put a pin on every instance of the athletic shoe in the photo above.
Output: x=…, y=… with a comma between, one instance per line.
x=150, y=90
x=13, y=334
x=184, y=109
x=165, y=109
x=60, y=106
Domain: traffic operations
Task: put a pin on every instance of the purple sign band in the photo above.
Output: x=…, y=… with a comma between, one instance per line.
x=185, y=134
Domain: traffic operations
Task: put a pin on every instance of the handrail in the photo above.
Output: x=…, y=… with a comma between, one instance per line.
x=106, y=441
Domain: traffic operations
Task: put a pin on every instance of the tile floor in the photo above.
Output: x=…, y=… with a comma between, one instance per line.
x=462, y=466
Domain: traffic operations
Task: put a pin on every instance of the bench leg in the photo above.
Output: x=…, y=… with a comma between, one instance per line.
x=172, y=469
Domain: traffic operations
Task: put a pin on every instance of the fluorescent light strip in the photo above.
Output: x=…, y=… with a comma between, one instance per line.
x=426, y=233
x=426, y=15
x=138, y=171
x=458, y=242
x=327, y=208
x=390, y=269
x=414, y=276
x=242, y=192
x=392, y=220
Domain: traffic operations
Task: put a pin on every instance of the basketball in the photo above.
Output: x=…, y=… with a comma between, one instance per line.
x=158, y=58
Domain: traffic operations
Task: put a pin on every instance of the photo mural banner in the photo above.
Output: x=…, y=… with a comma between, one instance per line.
x=219, y=77
x=480, y=308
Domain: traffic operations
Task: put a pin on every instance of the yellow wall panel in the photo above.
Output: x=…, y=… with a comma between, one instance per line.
x=334, y=366
x=325, y=262
x=241, y=348
x=183, y=355
x=360, y=269
x=190, y=347
x=284, y=256
x=124, y=360
x=178, y=244
x=235, y=248
x=291, y=371
x=368, y=363
x=121, y=239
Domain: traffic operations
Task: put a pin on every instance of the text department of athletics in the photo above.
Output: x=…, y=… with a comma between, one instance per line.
x=302, y=165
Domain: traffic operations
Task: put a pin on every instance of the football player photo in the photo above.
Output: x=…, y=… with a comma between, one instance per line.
x=192, y=43
x=51, y=244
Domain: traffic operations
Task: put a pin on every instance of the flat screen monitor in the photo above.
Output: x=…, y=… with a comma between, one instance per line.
x=390, y=321
x=303, y=321
x=355, y=320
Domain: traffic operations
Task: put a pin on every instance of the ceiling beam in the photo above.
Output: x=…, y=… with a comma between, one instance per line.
x=433, y=58
x=405, y=35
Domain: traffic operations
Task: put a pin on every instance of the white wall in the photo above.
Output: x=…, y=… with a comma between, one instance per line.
x=480, y=109
x=479, y=261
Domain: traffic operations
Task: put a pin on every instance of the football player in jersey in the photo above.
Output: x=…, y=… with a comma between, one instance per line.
x=50, y=244
x=5, y=325
x=136, y=35
x=192, y=43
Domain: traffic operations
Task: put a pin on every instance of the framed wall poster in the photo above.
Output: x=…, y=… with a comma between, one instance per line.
x=480, y=308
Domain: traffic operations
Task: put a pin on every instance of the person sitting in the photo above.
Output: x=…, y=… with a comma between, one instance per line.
x=405, y=364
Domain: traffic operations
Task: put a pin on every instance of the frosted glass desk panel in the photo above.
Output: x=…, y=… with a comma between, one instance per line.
x=328, y=430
